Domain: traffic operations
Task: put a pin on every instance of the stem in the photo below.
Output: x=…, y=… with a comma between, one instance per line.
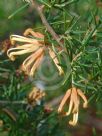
x=39, y=9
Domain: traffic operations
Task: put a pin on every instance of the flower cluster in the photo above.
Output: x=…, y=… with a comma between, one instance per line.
x=74, y=102
x=32, y=42
x=35, y=96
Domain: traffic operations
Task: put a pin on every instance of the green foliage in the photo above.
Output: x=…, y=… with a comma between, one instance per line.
x=79, y=24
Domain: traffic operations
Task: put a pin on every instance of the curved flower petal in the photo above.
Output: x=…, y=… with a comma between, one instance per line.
x=70, y=107
x=26, y=64
x=11, y=53
x=35, y=34
x=75, y=100
x=36, y=65
x=65, y=98
x=83, y=97
x=75, y=119
x=17, y=38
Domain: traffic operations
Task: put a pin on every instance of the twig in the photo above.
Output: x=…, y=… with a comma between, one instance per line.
x=9, y=113
x=3, y=102
x=44, y=21
x=52, y=103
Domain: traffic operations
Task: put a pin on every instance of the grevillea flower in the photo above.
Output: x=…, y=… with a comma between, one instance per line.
x=35, y=96
x=74, y=102
x=34, y=45
x=32, y=42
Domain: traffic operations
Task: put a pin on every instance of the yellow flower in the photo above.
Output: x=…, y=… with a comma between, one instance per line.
x=34, y=45
x=74, y=103
x=35, y=96
x=32, y=42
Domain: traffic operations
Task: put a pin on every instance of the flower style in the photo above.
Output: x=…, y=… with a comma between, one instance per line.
x=35, y=96
x=33, y=42
x=74, y=103
x=54, y=58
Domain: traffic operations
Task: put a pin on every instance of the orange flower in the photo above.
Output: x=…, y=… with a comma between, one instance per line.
x=33, y=45
x=33, y=42
x=74, y=103
x=35, y=96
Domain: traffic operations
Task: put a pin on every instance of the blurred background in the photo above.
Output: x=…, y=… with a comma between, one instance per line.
x=17, y=118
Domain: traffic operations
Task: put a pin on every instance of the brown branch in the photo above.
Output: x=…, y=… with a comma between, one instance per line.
x=39, y=9
x=52, y=103
x=9, y=113
x=3, y=102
